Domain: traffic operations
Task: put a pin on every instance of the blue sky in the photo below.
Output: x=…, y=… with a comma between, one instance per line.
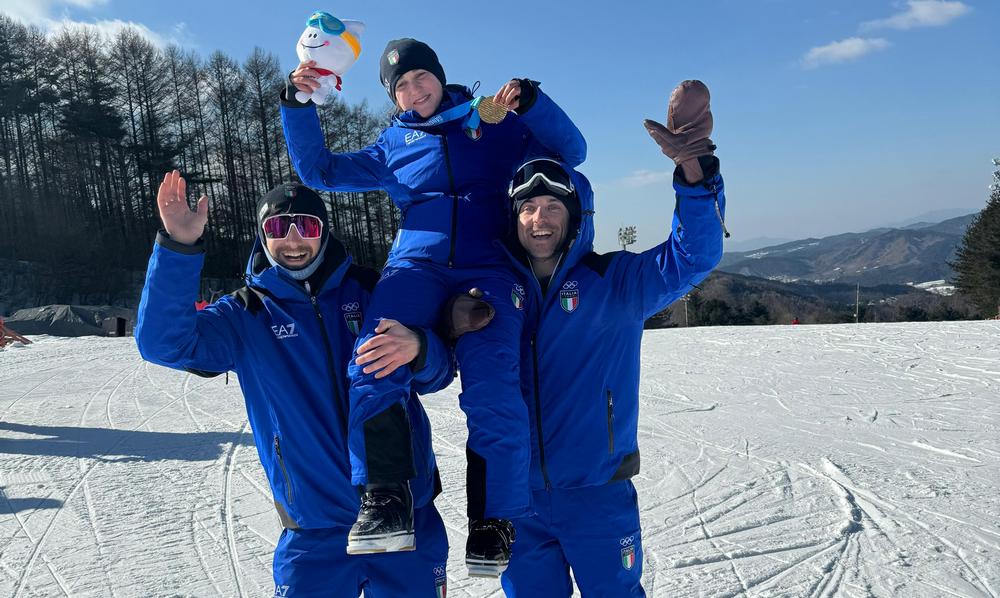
x=830, y=116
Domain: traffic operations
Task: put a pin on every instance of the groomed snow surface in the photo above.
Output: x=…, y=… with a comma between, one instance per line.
x=776, y=461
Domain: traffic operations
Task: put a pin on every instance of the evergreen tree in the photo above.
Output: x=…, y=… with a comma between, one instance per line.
x=977, y=261
x=88, y=126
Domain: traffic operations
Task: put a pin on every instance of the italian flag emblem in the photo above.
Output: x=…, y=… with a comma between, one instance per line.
x=353, y=319
x=517, y=296
x=569, y=299
x=628, y=557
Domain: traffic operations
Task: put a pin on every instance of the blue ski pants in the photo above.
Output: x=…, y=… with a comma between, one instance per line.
x=594, y=531
x=313, y=563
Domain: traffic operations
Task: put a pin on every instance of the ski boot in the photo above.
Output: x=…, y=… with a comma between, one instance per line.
x=385, y=521
x=487, y=552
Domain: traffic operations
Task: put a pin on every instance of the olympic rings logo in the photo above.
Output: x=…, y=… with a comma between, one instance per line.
x=570, y=285
x=438, y=571
x=627, y=541
x=355, y=306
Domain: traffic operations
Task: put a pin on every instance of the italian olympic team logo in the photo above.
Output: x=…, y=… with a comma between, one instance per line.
x=517, y=296
x=440, y=582
x=353, y=317
x=569, y=296
x=628, y=552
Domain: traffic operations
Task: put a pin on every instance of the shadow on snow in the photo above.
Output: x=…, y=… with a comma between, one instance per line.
x=117, y=446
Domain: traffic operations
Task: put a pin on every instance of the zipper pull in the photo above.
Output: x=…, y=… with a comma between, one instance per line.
x=718, y=212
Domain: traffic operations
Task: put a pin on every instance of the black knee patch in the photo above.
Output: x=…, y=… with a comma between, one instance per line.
x=475, y=484
x=387, y=447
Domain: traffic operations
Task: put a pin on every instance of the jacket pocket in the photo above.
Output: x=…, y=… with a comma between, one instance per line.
x=284, y=472
x=611, y=423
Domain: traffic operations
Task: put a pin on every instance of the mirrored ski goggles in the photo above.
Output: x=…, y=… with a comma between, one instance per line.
x=278, y=226
x=541, y=172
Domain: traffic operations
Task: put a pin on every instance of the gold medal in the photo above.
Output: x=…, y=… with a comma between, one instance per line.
x=490, y=111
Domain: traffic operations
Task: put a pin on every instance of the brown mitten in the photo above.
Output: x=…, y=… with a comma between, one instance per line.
x=467, y=312
x=689, y=124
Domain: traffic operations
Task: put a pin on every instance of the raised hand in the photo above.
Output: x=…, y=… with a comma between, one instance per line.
x=182, y=224
x=689, y=124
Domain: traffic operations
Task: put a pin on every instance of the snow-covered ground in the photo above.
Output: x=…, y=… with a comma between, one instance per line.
x=776, y=461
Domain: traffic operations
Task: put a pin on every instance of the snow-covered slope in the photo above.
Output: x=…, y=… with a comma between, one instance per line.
x=778, y=461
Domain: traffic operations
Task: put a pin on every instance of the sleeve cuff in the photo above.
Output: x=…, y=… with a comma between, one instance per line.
x=420, y=360
x=287, y=97
x=164, y=240
x=709, y=168
x=529, y=94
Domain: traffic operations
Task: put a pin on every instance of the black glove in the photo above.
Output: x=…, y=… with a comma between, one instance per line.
x=467, y=312
x=529, y=93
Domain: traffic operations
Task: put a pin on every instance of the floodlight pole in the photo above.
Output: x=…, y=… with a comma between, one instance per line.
x=857, y=303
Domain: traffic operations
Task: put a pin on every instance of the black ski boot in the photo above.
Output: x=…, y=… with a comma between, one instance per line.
x=385, y=522
x=488, y=550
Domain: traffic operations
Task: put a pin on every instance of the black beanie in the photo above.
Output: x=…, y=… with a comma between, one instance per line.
x=402, y=56
x=291, y=198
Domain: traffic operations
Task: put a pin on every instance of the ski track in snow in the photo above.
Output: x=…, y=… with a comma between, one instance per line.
x=812, y=461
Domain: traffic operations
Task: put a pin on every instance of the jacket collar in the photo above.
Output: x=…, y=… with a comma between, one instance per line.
x=330, y=274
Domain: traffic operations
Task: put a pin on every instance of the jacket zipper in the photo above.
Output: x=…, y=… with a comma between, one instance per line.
x=284, y=472
x=538, y=414
x=334, y=383
x=611, y=423
x=454, y=203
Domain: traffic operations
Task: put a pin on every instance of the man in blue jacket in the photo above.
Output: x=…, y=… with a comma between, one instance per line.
x=289, y=334
x=580, y=356
x=446, y=167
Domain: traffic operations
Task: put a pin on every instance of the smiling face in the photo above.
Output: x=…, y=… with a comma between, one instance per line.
x=419, y=90
x=542, y=225
x=293, y=252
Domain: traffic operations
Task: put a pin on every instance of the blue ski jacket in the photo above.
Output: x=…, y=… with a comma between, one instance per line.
x=450, y=188
x=290, y=346
x=581, y=341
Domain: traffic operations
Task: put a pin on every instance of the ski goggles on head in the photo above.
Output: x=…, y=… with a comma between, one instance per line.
x=326, y=22
x=331, y=25
x=544, y=172
x=279, y=225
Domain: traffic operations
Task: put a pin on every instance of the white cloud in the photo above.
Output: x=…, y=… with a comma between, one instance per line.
x=110, y=28
x=644, y=178
x=43, y=12
x=847, y=49
x=53, y=15
x=921, y=13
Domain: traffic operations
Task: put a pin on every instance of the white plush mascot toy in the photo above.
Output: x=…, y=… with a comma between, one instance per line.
x=335, y=46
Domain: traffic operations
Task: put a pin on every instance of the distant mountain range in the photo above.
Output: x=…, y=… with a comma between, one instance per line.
x=724, y=298
x=914, y=253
